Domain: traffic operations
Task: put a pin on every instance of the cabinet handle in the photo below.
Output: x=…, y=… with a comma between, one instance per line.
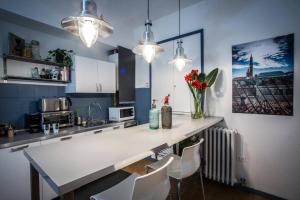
x=19, y=148
x=66, y=138
x=116, y=127
x=99, y=131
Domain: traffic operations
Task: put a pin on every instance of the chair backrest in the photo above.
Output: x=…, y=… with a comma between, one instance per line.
x=190, y=159
x=153, y=186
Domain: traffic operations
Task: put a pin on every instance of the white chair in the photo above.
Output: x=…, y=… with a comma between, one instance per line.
x=152, y=186
x=183, y=166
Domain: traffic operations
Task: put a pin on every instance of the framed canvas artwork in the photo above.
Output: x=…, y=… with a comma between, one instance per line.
x=263, y=76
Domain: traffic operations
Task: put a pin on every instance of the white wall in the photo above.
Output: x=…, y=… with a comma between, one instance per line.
x=271, y=143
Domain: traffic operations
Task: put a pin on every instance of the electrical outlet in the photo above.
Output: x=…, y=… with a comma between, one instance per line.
x=243, y=181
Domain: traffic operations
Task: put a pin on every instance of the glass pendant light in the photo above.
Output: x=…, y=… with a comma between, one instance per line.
x=148, y=47
x=180, y=60
x=88, y=26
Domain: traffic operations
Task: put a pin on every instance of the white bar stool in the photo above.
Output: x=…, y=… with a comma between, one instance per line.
x=183, y=166
x=152, y=186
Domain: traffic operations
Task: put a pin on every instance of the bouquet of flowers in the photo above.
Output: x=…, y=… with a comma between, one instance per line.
x=198, y=83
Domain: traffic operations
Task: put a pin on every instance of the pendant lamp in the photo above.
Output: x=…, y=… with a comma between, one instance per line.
x=88, y=25
x=147, y=47
x=180, y=60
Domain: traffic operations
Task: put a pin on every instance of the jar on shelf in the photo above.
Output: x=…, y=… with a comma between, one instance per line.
x=35, y=45
x=27, y=51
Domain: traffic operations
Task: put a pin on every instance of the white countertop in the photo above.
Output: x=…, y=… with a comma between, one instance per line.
x=70, y=164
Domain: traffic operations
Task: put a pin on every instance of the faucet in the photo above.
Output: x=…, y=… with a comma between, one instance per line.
x=90, y=110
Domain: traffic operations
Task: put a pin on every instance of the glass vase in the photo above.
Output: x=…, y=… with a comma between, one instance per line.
x=197, y=114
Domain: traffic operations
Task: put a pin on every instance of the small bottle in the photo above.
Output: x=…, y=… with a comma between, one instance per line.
x=153, y=116
x=166, y=114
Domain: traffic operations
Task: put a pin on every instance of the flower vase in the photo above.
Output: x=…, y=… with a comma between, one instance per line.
x=197, y=114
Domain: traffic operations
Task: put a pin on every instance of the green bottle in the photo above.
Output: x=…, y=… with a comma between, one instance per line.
x=153, y=116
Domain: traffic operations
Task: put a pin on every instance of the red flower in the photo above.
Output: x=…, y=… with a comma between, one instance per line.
x=194, y=72
x=196, y=84
x=204, y=85
x=188, y=77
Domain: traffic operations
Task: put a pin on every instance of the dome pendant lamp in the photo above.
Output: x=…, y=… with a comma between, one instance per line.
x=148, y=48
x=88, y=26
x=180, y=60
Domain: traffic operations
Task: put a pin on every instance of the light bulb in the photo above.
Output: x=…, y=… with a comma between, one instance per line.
x=148, y=52
x=180, y=63
x=88, y=30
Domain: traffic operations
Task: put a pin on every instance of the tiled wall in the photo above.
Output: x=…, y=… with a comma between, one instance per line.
x=16, y=100
x=143, y=104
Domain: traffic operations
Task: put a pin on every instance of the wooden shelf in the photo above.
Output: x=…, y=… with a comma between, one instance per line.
x=30, y=60
x=35, y=79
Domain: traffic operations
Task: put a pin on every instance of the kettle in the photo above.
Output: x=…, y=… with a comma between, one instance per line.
x=65, y=103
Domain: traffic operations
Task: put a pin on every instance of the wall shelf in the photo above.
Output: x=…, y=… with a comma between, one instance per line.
x=30, y=60
x=34, y=79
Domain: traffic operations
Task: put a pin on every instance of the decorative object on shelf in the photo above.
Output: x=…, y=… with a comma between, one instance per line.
x=263, y=76
x=198, y=83
x=153, y=116
x=27, y=51
x=148, y=48
x=166, y=114
x=180, y=60
x=62, y=56
x=88, y=25
x=35, y=45
x=35, y=73
x=16, y=44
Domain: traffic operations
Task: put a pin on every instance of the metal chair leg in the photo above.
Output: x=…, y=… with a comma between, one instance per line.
x=202, y=185
x=178, y=189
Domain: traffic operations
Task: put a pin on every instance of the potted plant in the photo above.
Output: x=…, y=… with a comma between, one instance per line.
x=198, y=83
x=62, y=56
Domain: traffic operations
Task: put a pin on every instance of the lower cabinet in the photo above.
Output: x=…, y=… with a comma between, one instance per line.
x=15, y=173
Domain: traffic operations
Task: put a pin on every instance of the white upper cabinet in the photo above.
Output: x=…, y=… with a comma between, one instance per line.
x=92, y=76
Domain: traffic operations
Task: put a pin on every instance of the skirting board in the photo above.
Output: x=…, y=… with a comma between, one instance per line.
x=258, y=192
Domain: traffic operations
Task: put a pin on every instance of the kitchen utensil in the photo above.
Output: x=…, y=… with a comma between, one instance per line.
x=49, y=105
x=65, y=103
x=11, y=131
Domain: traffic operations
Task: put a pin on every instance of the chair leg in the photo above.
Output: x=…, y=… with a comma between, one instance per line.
x=178, y=189
x=202, y=185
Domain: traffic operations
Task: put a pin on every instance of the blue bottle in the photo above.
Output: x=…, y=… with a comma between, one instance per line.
x=153, y=116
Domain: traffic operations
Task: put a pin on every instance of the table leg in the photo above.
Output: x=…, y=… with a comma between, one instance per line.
x=68, y=196
x=34, y=182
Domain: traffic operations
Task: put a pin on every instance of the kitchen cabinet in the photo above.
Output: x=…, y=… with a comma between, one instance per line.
x=92, y=76
x=15, y=173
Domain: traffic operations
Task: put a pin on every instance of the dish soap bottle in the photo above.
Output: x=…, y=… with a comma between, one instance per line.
x=153, y=116
x=166, y=114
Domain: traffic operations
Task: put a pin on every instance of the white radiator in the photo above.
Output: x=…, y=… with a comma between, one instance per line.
x=220, y=154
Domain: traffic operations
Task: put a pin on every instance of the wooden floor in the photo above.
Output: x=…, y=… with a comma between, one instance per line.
x=191, y=187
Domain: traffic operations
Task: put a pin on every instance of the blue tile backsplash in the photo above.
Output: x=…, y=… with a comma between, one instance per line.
x=16, y=100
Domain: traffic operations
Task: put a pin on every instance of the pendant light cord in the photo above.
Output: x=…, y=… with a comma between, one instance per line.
x=179, y=19
x=148, y=11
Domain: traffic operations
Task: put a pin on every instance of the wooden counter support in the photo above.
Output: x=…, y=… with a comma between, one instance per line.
x=35, y=186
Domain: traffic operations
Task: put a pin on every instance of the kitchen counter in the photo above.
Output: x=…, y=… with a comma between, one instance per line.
x=24, y=137
x=71, y=164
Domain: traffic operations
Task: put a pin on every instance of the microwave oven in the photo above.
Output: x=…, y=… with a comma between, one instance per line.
x=118, y=114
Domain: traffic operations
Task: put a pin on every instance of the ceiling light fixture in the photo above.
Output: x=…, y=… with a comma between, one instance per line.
x=180, y=60
x=88, y=26
x=148, y=48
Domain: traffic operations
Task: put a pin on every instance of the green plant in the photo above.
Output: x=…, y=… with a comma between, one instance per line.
x=62, y=56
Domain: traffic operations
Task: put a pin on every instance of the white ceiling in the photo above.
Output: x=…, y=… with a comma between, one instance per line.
x=124, y=15
x=132, y=13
